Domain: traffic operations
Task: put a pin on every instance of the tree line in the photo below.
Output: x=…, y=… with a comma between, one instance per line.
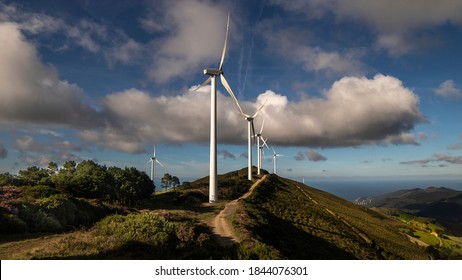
x=87, y=179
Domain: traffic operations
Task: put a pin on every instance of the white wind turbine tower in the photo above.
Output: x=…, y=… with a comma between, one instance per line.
x=152, y=160
x=275, y=155
x=260, y=147
x=213, y=73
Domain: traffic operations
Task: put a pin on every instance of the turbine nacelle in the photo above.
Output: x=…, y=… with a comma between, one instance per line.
x=212, y=72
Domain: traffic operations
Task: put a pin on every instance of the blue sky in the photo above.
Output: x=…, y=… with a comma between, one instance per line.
x=354, y=88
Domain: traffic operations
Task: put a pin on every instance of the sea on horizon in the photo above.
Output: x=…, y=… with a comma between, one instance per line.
x=353, y=189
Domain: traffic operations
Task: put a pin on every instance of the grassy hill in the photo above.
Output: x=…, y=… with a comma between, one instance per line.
x=282, y=219
x=300, y=222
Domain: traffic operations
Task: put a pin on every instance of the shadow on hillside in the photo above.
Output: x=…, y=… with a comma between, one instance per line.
x=295, y=243
x=135, y=250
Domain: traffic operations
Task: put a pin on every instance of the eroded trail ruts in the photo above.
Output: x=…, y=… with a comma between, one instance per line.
x=221, y=224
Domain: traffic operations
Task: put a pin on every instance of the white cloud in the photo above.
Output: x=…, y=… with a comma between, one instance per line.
x=448, y=89
x=354, y=112
x=32, y=92
x=42, y=152
x=436, y=158
x=193, y=43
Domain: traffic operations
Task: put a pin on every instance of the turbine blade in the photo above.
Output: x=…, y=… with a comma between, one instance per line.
x=159, y=163
x=203, y=83
x=262, y=125
x=154, y=154
x=261, y=107
x=230, y=91
x=274, y=152
x=223, y=54
x=264, y=143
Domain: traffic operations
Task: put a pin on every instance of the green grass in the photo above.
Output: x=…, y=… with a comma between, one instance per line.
x=312, y=224
x=427, y=238
x=282, y=219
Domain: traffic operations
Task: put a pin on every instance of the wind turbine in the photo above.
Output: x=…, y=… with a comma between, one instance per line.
x=152, y=160
x=213, y=73
x=275, y=155
x=260, y=147
x=250, y=130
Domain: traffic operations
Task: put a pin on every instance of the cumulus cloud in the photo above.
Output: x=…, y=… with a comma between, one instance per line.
x=41, y=153
x=353, y=112
x=32, y=92
x=310, y=155
x=448, y=89
x=315, y=156
x=396, y=22
x=192, y=43
x=436, y=158
x=3, y=150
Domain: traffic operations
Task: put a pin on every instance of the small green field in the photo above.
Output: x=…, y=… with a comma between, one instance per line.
x=430, y=232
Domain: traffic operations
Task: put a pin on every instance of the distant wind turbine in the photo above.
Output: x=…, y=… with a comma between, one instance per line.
x=213, y=73
x=275, y=155
x=152, y=160
x=260, y=147
x=250, y=130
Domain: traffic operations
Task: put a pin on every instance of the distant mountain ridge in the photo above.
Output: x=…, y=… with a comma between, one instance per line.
x=404, y=198
x=440, y=203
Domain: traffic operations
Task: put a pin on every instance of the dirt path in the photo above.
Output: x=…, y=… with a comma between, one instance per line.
x=221, y=224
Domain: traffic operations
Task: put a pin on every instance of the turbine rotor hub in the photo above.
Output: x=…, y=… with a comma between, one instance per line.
x=212, y=72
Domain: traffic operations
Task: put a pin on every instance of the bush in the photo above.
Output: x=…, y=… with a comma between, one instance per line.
x=154, y=236
x=60, y=207
x=10, y=224
x=39, y=191
x=37, y=220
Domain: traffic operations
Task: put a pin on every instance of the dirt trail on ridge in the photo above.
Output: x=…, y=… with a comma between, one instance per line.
x=221, y=224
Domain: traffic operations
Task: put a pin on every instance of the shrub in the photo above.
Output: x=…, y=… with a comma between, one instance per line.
x=39, y=191
x=37, y=220
x=156, y=236
x=10, y=224
x=60, y=207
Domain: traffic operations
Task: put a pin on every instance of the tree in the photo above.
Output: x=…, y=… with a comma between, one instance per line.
x=69, y=166
x=63, y=178
x=131, y=185
x=6, y=179
x=169, y=181
x=92, y=181
x=34, y=176
x=175, y=182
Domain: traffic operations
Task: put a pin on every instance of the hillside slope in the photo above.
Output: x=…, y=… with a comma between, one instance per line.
x=300, y=222
x=442, y=204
